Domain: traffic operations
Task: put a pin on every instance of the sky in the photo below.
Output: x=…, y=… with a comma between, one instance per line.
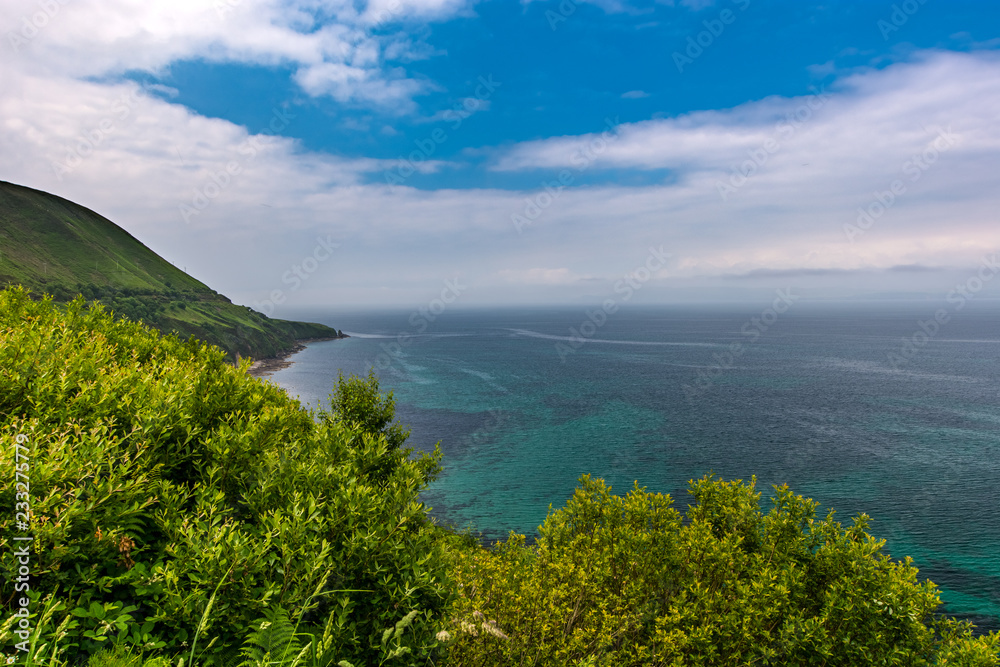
x=300, y=153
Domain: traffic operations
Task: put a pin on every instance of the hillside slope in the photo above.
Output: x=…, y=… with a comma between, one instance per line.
x=51, y=245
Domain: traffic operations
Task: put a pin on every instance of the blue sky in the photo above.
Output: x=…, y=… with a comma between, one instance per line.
x=564, y=74
x=425, y=140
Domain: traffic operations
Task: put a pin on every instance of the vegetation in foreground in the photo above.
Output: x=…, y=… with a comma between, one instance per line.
x=49, y=244
x=187, y=514
x=630, y=581
x=174, y=497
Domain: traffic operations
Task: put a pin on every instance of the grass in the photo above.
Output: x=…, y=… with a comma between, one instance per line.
x=53, y=246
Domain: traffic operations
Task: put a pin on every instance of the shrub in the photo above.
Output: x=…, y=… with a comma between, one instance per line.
x=160, y=474
x=630, y=581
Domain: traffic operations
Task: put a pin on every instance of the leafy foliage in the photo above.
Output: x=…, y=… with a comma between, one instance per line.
x=630, y=581
x=122, y=655
x=168, y=486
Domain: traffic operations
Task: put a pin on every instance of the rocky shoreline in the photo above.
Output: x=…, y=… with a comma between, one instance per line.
x=261, y=367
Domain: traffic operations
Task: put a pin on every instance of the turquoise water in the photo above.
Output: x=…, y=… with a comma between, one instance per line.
x=522, y=408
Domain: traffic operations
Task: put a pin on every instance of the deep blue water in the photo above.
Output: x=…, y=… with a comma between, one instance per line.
x=815, y=401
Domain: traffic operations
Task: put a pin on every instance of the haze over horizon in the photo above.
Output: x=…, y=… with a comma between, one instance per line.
x=380, y=153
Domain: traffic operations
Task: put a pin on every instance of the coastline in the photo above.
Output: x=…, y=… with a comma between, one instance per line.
x=261, y=367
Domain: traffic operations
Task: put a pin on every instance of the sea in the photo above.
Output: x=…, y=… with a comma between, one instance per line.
x=888, y=408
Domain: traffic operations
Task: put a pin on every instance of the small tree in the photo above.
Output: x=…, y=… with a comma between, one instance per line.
x=357, y=401
x=358, y=404
x=626, y=580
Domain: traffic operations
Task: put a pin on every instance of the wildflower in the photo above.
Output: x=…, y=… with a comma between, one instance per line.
x=491, y=628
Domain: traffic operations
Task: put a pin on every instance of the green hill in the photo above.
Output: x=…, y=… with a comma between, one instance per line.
x=51, y=245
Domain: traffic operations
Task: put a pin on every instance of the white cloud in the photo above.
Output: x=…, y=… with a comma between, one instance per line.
x=352, y=84
x=548, y=277
x=885, y=114
x=387, y=11
x=791, y=211
x=330, y=43
x=140, y=167
x=635, y=95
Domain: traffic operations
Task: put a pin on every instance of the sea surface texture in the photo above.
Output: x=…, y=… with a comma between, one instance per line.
x=857, y=406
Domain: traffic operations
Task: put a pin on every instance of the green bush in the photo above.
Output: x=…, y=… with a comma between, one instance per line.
x=628, y=580
x=160, y=474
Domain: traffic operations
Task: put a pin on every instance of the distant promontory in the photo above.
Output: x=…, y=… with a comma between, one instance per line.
x=54, y=246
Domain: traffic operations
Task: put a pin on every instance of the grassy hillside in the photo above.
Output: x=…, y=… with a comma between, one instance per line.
x=51, y=245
